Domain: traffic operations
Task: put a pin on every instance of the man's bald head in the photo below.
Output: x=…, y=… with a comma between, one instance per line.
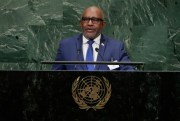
x=95, y=8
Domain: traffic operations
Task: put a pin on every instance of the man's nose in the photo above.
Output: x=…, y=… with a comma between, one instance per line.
x=90, y=22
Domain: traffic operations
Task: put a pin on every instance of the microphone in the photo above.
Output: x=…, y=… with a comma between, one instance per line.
x=78, y=53
x=97, y=50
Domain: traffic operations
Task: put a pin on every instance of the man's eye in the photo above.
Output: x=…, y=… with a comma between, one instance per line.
x=85, y=19
x=95, y=19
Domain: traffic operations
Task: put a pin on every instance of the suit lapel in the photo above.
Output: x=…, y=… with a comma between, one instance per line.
x=102, y=47
x=80, y=54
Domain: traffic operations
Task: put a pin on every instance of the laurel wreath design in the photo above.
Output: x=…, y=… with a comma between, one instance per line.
x=101, y=104
x=82, y=104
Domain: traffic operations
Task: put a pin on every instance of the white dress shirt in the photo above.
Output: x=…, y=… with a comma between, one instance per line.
x=94, y=45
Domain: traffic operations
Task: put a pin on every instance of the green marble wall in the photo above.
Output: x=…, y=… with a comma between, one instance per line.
x=30, y=30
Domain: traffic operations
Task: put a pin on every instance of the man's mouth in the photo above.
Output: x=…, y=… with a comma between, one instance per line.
x=90, y=30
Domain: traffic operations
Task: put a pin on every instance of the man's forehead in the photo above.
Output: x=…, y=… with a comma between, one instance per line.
x=92, y=12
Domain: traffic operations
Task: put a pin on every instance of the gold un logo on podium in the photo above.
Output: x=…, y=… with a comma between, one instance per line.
x=91, y=92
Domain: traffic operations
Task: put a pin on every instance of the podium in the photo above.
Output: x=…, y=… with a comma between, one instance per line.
x=47, y=96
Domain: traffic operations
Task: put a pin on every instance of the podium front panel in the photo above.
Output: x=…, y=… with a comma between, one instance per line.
x=49, y=96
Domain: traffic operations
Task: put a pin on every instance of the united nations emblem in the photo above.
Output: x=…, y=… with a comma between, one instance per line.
x=91, y=92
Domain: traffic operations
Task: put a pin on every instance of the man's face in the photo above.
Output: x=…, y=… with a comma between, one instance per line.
x=92, y=23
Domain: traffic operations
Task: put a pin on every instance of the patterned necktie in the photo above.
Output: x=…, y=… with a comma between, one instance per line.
x=89, y=55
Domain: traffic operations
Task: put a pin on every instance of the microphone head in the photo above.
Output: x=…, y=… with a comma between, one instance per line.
x=97, y=49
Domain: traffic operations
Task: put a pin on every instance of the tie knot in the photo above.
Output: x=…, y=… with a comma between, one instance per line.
x=90, y=42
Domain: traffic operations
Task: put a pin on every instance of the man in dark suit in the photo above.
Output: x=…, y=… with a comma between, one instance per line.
x=102, y=48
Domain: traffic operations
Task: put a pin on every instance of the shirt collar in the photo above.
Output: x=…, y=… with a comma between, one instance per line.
x=96, y=40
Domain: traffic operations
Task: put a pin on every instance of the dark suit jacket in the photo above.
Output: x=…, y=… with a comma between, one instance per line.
x=70, y=49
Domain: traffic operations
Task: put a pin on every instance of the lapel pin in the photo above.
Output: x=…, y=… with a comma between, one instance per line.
x=102, y=44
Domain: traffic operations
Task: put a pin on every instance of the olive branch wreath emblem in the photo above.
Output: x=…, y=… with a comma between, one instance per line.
x=82, y=104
